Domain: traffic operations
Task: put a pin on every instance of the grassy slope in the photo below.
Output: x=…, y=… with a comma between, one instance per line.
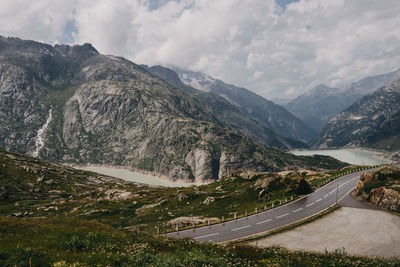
x=76, y=216
x=64, y=241
x=38, y=188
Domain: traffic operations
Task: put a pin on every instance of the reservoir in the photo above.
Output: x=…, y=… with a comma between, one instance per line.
x=136, y=177
x=348, y=155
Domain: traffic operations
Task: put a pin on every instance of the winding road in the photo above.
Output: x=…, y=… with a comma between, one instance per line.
x=302, y=208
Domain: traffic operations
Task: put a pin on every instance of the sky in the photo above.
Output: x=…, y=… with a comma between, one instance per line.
x=277, y=48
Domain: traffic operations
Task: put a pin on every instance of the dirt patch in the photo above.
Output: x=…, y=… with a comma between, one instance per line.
x=358, y=231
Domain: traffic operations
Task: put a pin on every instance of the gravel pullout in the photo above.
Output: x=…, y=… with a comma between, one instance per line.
x=359, y=231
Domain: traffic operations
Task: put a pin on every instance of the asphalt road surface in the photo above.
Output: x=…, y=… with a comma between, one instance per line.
x=294, y=211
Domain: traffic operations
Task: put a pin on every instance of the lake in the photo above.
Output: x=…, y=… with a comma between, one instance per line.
x=349, y=155
x=136, y=177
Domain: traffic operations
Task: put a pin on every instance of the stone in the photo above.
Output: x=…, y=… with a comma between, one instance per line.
x=208, y=200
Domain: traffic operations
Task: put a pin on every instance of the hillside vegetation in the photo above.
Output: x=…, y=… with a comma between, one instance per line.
x=52, y=215
x=31, y=187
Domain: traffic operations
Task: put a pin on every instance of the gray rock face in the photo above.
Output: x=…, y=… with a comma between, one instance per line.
x=229, y=113
x=318, y=106
x=369, y=121
x=108, y=110
x=268, y=114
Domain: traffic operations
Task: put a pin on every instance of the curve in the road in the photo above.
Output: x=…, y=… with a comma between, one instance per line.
x=300, y=209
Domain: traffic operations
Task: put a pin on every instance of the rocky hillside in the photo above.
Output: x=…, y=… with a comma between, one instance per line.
x=265, y=112
x=369, y=121
x=228, y=113
x=72, y=104
x=31, y=187
x=381, y=188
x=318, y=106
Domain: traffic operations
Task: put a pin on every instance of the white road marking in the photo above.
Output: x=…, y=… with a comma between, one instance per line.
x=241, y=227
x=198, y=237
x=297, y=210
x=348, y=181
x=310, y=204
x=332, y=191
x=264, y=221
x=319, y=200
x=282, y=215
x=340, y=199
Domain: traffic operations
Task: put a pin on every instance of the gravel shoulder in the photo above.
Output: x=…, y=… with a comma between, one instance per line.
x=359, y=231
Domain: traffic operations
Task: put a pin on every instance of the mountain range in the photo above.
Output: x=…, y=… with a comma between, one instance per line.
x=319, y=105
x=373, y=121
x=71, y=104
x=265, y=112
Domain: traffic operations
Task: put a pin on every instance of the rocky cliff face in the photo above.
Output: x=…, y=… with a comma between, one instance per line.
x=268, y=114
x=371, y=120
x=107, y=110
x=322, y=103
x=380, y=188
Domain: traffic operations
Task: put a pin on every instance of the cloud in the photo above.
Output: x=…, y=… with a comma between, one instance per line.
x=273, y=49
x=42, y=20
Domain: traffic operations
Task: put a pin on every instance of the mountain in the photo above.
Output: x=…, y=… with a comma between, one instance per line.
x=270, y=115
x=371, y=121
x=229, y=113
x=318, y=106
x=71, y=104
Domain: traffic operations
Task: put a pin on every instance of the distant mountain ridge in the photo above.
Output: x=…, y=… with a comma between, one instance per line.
x=319, y=105
x=270, y=115
x=372, y=121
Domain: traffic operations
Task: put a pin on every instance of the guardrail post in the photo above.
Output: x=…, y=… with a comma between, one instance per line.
x=234, y=215
x=246, y=213
x=273, y=204
x=265, y=207
x=223, y=219
x=256, y=210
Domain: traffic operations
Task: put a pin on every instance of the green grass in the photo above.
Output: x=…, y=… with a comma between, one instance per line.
x=73, y=195
x=65, y=241
x=68, y=218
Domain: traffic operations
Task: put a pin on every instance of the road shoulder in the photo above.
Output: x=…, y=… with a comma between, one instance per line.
x=366, y=232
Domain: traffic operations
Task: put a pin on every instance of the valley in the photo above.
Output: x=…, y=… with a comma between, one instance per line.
x=144, y=150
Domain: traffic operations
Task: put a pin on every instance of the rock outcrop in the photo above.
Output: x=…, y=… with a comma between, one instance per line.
x=380, y=188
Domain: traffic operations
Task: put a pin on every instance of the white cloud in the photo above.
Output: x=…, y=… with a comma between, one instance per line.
x=42, y=20
x=252, y=43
